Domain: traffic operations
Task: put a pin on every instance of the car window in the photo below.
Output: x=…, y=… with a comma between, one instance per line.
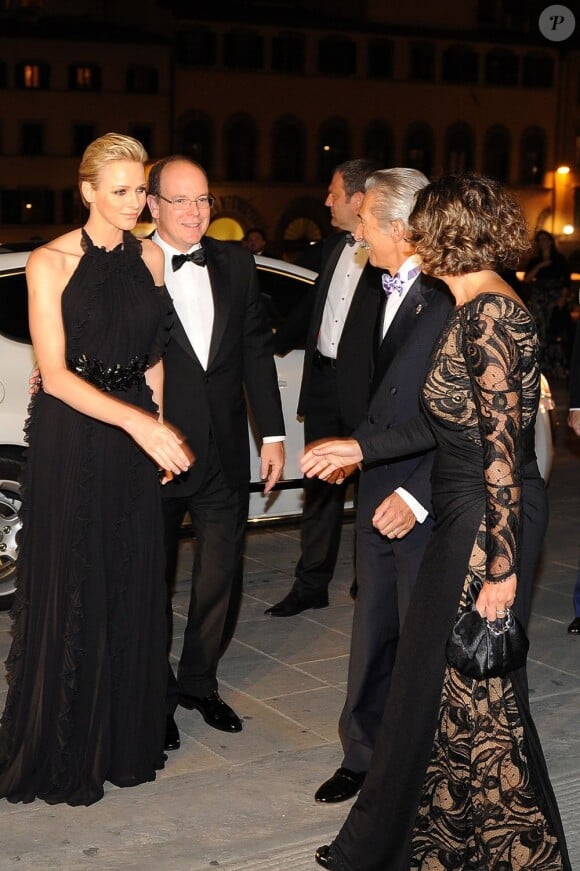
x=14, y=306
x=281, y=292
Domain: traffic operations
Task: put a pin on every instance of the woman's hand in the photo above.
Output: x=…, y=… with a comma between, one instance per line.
x=323, y=459
x=495, y=599
x=163, y=443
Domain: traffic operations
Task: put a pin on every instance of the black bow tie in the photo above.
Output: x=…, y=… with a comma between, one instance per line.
x=197, y=256
x=350, y=240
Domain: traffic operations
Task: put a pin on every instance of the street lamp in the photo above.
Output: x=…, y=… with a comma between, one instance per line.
x=559, y=179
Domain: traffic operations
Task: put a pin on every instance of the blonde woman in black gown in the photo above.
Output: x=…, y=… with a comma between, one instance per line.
x=458, y=779
x=87, y=668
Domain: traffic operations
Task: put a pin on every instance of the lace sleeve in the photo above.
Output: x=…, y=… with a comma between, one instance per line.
x=494, y=367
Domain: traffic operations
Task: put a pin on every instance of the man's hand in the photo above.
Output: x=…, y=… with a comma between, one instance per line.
x=272, y=464
x=339, y=476
x=328, y=456
x=574, y=421
x=393, y=517
x=34, y=382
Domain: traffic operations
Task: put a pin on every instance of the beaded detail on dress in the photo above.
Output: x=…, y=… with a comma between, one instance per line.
x=111, y=378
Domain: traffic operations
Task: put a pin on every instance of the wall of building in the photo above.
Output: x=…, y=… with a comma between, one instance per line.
x=312, y=99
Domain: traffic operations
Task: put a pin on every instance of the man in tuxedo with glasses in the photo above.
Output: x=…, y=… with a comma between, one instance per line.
x=220, y=352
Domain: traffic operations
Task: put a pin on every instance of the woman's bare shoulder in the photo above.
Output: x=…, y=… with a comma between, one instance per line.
x=58, y=257
x=154, y=260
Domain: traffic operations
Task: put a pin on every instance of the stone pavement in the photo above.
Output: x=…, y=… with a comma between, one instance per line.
x=244, y=802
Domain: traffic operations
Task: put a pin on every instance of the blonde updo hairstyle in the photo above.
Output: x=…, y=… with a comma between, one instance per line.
x=111, y=146
x=465, y=223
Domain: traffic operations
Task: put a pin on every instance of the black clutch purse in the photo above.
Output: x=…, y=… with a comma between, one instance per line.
x=480, y=649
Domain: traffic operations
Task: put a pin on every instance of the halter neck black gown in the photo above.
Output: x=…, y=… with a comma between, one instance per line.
x=87, y=669
x=458, y=781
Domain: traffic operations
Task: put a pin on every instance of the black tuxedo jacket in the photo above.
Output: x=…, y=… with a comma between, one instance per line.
x=400, y=371
x=240, y=366
x=354, y=359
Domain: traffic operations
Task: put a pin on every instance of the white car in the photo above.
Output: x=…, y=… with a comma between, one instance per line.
x=282, y=285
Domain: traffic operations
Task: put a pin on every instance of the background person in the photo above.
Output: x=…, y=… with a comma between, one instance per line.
x=546, y=276
x=220, y=353
x=338, y=362
x=547, y=264
x=86, y=670
x=255, y=242
x=458, y=777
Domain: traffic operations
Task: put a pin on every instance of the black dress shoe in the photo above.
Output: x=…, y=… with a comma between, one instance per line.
x=214, y=711
x=574, y=627
x=295, y=603
x=326, y=857
x=172, y=739
x=343, y=784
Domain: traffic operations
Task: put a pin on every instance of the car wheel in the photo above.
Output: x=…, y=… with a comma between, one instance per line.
x=10, y=523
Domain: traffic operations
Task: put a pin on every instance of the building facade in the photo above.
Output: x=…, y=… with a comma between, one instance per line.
x=269, y=97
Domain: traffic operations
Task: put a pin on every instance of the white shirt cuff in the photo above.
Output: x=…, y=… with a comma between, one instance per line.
x=416, y=507
x=269, y=439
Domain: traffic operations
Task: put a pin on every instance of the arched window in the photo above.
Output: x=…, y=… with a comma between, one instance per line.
x=84, y=77
x=460, y=64
x=501, y=67
x=378, y=143
x=380, y=58
x=533, y=148
x=333, y=147
x=32, y=75
x=196, y=47
x=419, y=148
x=240, y=148
x=142, y=80
x=337, y=56
x=459, y=148
x=244, y=50
x=288, y=52
x=288, y=150
x=497, y=153
x=196, y=139
x=422, y=61
x=538, y=71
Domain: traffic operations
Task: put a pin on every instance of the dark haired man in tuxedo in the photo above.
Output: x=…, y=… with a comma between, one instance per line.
x=220, y=352
x=338, y=364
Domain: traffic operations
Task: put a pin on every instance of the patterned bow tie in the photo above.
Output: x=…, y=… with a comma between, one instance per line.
x=197, y=256
x=391, y=283
x=350, y=240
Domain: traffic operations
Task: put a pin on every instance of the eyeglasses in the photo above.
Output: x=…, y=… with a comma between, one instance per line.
x=180, y=204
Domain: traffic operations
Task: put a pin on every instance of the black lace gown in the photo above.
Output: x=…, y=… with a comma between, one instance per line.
x=458, y=779
x=87, y=668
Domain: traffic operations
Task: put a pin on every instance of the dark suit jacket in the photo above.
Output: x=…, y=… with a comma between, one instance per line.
x=240, y=365
x=400, y=371
x=354, y=359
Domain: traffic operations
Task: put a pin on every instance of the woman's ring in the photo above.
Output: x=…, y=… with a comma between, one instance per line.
x=501, y=612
